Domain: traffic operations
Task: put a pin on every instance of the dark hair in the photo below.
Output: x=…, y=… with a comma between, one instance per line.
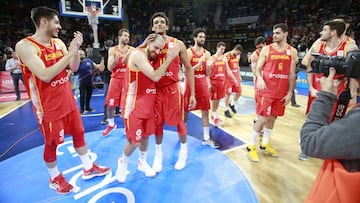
x=282, y=26
x=42, y=12
x=336, y=25
x=259, y=40
x=197, y=31
x=239, y=47
x=345, y=18
x=219, y=44
x=123, y=30
x=159, y=14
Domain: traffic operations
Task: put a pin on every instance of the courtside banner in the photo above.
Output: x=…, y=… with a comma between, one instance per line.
x=7, y=84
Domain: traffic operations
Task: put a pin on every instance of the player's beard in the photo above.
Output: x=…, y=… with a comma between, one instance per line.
x=200, y=43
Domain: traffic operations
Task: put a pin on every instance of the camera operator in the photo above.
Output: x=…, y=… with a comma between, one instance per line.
x=337, y=143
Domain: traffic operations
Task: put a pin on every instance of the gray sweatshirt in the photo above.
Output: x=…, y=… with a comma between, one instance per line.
x=339, y=140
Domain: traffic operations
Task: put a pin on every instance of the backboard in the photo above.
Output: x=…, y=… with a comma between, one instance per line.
x=105, y=9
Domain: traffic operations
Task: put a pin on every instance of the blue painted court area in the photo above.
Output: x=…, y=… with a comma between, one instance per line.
x=209, y=176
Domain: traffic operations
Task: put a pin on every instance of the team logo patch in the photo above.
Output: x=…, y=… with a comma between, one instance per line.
x=138, y=134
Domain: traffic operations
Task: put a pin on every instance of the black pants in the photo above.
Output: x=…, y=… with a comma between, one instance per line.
x=106, y=88
x=85, y=96
x=16, y=78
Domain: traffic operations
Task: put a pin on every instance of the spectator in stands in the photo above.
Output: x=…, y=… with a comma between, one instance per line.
x=13, y=65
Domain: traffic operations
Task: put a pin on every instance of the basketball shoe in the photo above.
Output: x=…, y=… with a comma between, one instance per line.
x=157, y=164
x=144, y=167
x=269, y=150
x=60, y=184
x=211, y=143
x=181, y=162
x=252, y=155
x=121, y=171
x=232, y=107
x=95, y=171
x=108, y=130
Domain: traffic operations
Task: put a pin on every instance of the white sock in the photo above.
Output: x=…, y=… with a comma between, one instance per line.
x=158, y=149
x=206, y=133
x=54, y=172
x=266, y=136
x=87, y=163
x=232, y=102
x=253, y=137
x=227, y=108
x=124, y=158
x=142, y=156
x=183, y=147
x=214, y=114
x=111, y=122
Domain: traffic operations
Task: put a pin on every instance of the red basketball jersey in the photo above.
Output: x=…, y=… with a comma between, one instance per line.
x=276, y=72
x=201, y=85
x=173, y=72
x=119, y=70
x=51, y=100
x=218, y=69
x=140, y=94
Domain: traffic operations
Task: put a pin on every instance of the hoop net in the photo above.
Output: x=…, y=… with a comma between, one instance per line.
x=93, y=15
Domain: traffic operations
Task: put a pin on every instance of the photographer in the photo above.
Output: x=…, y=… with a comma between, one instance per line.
x=337, y=143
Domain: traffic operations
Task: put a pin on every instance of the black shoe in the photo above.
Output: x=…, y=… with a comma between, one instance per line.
x=104, y=121
x=227, y=114
x=232, y=107
x=90, y=110
x=117, y=114
x=295, y=105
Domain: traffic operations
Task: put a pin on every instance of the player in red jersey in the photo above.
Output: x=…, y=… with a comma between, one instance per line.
x=275, y=74
x=139, y=107
x=117, y=65
x=198, y=56
x=169, y=105
x=332, y=44
x=219, y=70
x=44, y=58
x=233, y=58
x=259, y=43
x=313, y=81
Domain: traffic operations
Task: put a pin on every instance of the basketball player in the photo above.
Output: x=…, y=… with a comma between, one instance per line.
x=117, y=65
x=275, y=74
x=233, y=58
x=169, y=101
x=139, y=105
x=259, y=43
x=314, y=81
x=306, y=61
x=332, y=44
x=44, y=58
x=198, y=56
x=218, y=72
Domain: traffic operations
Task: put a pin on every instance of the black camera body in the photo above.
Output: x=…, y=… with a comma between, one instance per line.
x=348, y=66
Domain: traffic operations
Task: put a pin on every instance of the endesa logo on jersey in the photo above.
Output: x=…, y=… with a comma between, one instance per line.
x=121, y=70
x=278, y=76
x=168, y=74
x=151, y=91
x=60, y=81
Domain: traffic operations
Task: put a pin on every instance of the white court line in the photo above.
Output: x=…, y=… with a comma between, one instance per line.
x=16, y=107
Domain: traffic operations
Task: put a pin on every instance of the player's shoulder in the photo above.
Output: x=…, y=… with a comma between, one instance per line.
x=25, y=44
